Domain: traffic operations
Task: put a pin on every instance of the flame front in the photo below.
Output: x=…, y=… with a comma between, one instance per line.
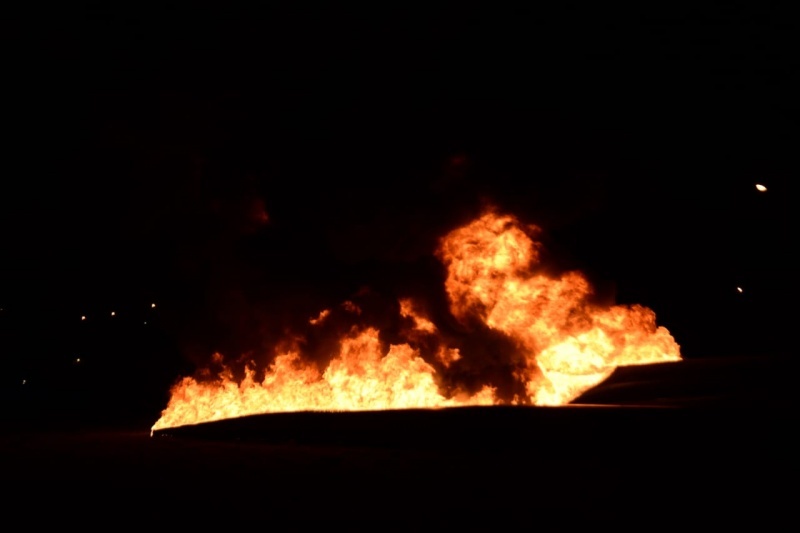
x=564, y=343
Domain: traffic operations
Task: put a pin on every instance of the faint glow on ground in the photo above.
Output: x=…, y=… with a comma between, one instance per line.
x=761, y=188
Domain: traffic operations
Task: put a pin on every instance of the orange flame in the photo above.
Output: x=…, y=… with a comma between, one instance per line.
x=420, y=323
x=322, y=316
x=569, y=344
x=566, y=344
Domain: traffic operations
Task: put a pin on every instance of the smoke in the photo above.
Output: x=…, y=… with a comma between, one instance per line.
x=258, y=249
x=467, y=354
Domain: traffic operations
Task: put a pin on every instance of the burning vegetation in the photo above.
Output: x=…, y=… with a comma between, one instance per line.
x=514, y=333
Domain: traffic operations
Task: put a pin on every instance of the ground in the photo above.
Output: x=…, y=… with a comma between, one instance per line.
x=552, y=469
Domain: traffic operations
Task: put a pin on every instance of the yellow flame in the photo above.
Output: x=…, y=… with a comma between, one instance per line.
x=567, y=343
x=360, y=377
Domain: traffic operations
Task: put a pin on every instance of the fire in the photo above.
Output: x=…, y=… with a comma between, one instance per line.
x=569, y=344
x=360, y=377
x=322, y=316
x=421, y=323
x=560, y=342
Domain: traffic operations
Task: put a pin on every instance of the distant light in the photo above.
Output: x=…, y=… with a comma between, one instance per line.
x=113, y=313
x=83, y=317
x=24, y=381
x=739, y=289
x=761, y=188
x=145, y=322
x=152, y=306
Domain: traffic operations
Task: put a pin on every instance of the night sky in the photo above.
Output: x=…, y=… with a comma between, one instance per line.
x=243, y=170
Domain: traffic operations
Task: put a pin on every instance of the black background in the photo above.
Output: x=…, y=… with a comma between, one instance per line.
x=139, y=143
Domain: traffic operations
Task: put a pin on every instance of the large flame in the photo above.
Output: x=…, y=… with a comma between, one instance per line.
x=569, y=344
x=564, y=344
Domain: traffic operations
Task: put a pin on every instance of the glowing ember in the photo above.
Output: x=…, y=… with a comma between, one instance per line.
x=322, y=316
x=558, y=343
x=351, y=307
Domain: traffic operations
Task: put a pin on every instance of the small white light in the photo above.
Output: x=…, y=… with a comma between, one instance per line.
x=152, y=306
x=739, y=289
x=145, y=322
x=113, y=313
x=78, y=360
x=24, y=381
x=761, y=188
x=83, y=317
